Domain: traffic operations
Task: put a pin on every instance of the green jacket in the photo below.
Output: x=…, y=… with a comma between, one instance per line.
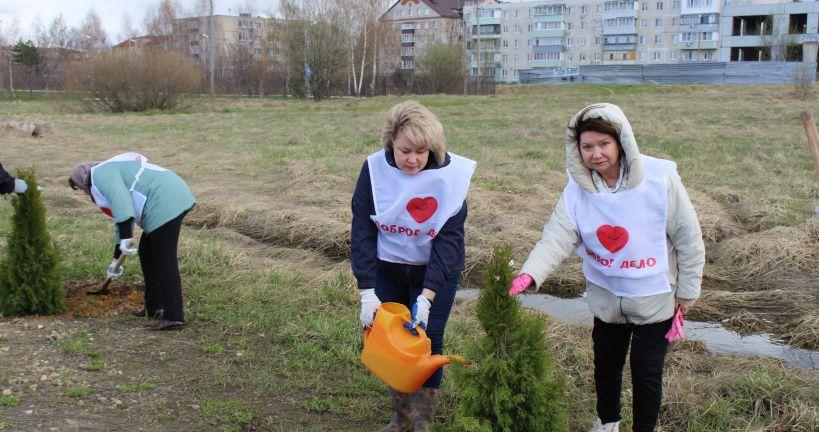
x=158, y=196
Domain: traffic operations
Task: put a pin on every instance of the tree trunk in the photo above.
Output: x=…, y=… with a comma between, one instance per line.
x=11, y=81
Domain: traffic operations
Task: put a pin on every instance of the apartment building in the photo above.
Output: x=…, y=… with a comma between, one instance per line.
x=413, y=25
x=224, y=34
x=766, y=31
x=557, y=33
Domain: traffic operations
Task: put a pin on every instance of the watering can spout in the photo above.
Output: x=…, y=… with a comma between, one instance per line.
x=402, y=360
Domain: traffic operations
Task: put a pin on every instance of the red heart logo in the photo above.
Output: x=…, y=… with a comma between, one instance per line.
x=612, y=238
x=421, y=209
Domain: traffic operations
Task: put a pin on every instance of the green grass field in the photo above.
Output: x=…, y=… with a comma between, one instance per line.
x=273, y=341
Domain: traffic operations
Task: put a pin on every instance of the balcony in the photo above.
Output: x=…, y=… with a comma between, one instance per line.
x=620, y=47
x=548, y=48
x=699, y=9
x=691, y=28
x=698, y=45
x=547, y=18
x=625, y=30
x=546, y=33
x=629, y=13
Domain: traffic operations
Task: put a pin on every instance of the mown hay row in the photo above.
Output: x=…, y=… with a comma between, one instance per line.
x=771, y=256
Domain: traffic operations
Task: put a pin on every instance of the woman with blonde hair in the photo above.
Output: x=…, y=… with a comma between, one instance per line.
x=407, y=238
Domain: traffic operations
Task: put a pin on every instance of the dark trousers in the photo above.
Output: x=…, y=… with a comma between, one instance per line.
x=402, y=283
x=157, y=256
x=648, y=349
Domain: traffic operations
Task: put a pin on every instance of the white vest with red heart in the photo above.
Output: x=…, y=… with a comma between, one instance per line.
x=410, y=210
x=623, y=235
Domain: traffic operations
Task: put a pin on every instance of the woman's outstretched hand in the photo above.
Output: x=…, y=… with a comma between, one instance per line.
x=519, y=284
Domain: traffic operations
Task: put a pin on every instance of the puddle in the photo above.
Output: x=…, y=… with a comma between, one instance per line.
x=717, y=338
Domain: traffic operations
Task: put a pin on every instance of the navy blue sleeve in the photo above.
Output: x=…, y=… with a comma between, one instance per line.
x=363, y=233
x=448, y=253
x=6, y=181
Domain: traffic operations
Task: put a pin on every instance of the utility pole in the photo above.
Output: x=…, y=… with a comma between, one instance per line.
x=211, y=44
x=478, y=18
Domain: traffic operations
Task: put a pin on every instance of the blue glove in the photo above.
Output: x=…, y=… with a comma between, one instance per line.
x=420, y=315
x=115, y=274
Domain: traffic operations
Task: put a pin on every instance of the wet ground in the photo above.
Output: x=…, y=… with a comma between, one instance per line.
x=718, y=339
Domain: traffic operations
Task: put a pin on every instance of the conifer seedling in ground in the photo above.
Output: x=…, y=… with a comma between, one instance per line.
x=29, y=274
x=512, y=386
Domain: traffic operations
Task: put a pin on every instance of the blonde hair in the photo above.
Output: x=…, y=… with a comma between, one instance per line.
x=418, y=125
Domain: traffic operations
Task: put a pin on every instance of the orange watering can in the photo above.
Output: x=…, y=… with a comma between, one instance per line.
x=402, y=360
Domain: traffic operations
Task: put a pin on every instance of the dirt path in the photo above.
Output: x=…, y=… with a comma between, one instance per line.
x=103, y=374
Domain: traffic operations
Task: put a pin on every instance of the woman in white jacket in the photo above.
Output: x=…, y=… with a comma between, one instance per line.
x=628, y=216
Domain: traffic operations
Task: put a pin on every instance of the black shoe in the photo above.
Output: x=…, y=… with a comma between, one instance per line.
x=162, y=324
x=142, y=313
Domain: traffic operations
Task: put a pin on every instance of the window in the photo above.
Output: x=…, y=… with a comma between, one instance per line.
x=505, y=58
x=583, y=41
x=673, y=55
x=644, y=6
x=596, y=56
x=675, y=5
x=707, y=55
x=505, y=44
x=516, y=57
x=642, y=56
x=504, y=72
x=584, y=10
x=571, y=10
x=582, y=25
x=598, y=40
x=244, y=37
x=658, y=39
x=582, y=56
x=568, y=26
x=643, y=23
x=517, y=28
x=658, y=22
x=546, y=56
x=506, y=28
x=659, y=6
x=517, y=43
x=435, y=24
x=674, y=21
x=642, y=40
x=656, y=55
x=571, y=58
x=528, y=57
x=674, y=38
x=569, y=41
x=517, y=14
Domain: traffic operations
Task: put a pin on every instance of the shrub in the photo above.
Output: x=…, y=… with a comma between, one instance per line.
x=127, y=80
x=513, y=386
x=29, y=278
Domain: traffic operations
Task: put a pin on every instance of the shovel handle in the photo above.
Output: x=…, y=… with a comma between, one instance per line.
x=459, y=359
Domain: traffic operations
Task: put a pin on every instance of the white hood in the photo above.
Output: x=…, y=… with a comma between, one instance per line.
x=614, y=114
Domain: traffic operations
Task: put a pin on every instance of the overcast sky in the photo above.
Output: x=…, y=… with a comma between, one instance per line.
x=111, y=11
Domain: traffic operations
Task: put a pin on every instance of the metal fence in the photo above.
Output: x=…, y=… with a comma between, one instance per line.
x=683, y=73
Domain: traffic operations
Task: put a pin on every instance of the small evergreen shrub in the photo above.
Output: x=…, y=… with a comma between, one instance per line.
x=512, y=386
x=29, y=275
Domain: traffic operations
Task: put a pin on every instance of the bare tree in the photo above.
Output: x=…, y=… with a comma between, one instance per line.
x=159, y=19
x=127, y=30
x=90, y=35
x=38, y=32
x=317, y=57
x=58, y=32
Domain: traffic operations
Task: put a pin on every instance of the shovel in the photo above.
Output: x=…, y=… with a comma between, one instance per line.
x=104, y=289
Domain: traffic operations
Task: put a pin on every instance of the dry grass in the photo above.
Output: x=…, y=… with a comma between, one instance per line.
x=283, y=171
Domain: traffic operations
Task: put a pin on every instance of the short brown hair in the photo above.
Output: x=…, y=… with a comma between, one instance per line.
x=596, y=124
x=419, y=125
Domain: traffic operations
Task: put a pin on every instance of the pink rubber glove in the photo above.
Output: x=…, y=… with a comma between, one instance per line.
x=677, y=323
x=519, y=284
